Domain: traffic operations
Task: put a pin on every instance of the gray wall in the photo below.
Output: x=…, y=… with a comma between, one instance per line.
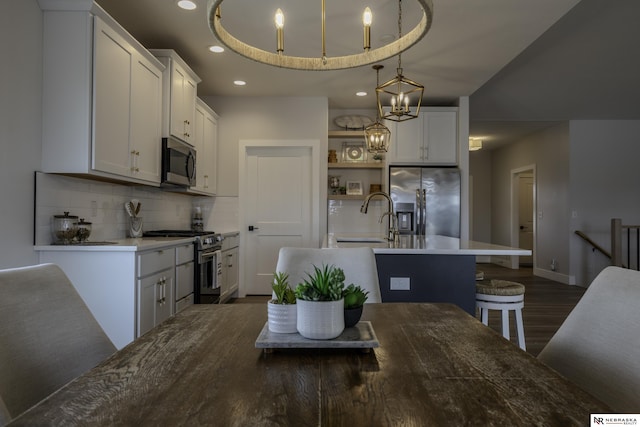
x=586, y=174
x=548, y=151
x=20, y=127
x=263, y=118
x=604, y=184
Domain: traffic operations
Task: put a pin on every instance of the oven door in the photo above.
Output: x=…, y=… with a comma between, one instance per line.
x=209, y=275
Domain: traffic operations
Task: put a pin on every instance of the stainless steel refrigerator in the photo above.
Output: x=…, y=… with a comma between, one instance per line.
x=426, y=200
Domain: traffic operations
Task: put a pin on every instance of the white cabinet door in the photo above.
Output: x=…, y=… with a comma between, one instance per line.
x=431, y=139
x=147, y=289
x=183, y=102
x=230, y=273
x=146, y=119
x=155, y=300
x=406, y=142
x=189, y=106
x=441, y=137
x=184, y=279
x=112, y=83
x=206, y=143
x=210, y=154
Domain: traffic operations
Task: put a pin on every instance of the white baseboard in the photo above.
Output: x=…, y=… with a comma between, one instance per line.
x=553, y=275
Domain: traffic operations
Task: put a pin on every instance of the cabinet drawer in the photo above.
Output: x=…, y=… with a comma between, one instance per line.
x=184, y=303
x=184, y=279
x=184, y=254
x=230, y=242
x=150, y=262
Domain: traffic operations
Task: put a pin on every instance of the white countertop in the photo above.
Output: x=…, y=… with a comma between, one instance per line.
x=431, y=245
x=120, y=245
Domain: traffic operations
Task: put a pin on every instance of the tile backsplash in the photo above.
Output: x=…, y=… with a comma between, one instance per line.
x=102, y=204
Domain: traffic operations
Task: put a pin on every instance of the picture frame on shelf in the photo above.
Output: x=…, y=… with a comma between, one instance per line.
x=354, y=188
x=354, y=152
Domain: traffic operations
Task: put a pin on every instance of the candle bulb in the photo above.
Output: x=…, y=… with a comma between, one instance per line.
x=367, y=17
x=279, y=19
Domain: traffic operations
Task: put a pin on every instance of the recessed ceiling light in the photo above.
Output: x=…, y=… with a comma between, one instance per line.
x=239, y=82
x=186, y=4
x=361, y=93
x=216, y=49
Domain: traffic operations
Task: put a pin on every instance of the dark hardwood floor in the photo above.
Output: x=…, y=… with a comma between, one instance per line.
x=546, y=304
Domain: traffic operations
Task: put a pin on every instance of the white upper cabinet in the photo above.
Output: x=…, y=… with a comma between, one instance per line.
x=431, y=139
x=441, y=137
x=206, y=144
x=102, y=99
x=180, y=89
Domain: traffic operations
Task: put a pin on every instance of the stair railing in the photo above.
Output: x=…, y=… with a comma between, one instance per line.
x=620, y=250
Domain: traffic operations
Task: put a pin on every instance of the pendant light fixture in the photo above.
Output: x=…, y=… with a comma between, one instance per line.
x=377, y=136
x=402, y=96
x=321, y=62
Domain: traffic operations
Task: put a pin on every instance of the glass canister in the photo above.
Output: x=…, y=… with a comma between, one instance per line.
x=84, y=230
x=65, y=228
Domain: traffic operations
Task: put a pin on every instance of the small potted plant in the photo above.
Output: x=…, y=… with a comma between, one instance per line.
x=281, y=310
x=320, y=303
x=354, y=298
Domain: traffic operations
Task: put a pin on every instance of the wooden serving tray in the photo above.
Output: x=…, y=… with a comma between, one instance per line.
x=361, y=335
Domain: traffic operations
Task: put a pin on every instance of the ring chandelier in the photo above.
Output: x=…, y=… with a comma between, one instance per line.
x=321, y=62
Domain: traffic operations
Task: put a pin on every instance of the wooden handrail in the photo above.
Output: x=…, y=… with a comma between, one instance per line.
x=594, y=244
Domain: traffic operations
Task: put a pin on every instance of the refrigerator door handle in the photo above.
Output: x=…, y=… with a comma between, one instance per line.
x=418, y=213
x=424, y=212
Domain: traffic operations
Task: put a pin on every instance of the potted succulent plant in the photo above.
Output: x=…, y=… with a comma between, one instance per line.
x=281, y=310
x=354, y=299
x=320, y=303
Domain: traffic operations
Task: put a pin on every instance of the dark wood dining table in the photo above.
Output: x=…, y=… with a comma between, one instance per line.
x=436, y=366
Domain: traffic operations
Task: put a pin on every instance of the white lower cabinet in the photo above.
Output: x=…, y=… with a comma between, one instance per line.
x=230, y=266
x=155, y=288
x=155, y=300
x=185, y=274
x=127, y=291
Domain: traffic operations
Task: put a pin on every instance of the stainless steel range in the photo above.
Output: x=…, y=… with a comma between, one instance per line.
x=208, y=262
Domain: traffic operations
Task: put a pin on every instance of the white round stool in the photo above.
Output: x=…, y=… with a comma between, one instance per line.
x=504, y=296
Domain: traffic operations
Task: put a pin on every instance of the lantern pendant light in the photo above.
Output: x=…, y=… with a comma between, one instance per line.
x=377, y=136
x=400, y=91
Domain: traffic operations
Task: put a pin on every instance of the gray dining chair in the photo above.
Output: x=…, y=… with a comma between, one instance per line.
x=598, y=345
x=358, y=264
x=48, y=336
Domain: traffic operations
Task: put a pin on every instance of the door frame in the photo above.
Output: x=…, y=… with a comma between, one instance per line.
x=515, y=219
x=244, y=145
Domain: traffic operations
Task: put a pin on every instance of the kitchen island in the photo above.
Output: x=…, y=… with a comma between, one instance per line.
x=424, y=269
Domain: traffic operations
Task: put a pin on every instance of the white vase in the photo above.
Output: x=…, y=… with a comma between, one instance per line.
x=282, y=318
x=320, y=320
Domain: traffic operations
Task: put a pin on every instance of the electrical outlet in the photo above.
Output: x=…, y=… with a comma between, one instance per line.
x=400, y=284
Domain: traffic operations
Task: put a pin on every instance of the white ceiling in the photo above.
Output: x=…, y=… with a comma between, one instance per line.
x=584, y=66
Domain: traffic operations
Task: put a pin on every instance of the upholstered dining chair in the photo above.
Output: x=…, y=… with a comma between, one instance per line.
x=358, y=264
x=598, y=345
x=48, y=336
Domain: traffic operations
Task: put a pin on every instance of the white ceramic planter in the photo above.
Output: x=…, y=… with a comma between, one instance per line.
x=282, y=318
x=320, y=320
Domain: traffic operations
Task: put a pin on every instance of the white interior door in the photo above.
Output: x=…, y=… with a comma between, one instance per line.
x=280, y=209
x=525, y=213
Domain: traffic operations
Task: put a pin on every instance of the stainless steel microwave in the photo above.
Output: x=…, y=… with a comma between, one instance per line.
x=178, y=163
